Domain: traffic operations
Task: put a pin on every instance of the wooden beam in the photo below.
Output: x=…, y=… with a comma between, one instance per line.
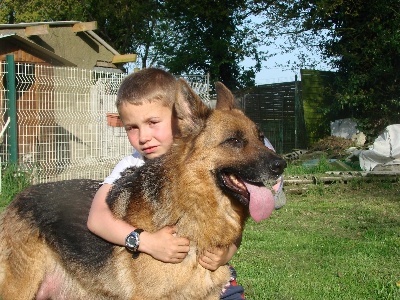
x=117, y=59
x=84, y=26
x=37, y=30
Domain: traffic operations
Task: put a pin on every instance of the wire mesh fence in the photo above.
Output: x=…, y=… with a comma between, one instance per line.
x=62, y=132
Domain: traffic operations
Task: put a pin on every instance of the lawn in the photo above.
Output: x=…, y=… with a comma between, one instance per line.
x=339, y=241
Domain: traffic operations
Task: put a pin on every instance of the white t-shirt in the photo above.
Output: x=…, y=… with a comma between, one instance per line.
x=134, y=160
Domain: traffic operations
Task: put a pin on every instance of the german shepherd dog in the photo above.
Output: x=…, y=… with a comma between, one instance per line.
x=208, y=184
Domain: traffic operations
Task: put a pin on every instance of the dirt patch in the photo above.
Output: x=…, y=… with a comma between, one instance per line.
x=333, y=146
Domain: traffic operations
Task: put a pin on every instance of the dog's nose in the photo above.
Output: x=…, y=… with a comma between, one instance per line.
x=277, y=166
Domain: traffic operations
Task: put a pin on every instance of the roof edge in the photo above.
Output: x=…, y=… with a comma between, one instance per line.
x=22, y=25
x=62, y=23
x=39, y=48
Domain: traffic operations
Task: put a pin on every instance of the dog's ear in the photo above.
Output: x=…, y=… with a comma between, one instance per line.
x=225, y=98
x=189, y=109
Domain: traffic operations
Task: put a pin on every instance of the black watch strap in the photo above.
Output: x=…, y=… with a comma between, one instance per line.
x=138, y=230
x=136, y=253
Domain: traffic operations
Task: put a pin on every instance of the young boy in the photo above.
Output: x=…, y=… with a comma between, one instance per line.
x=145, y=102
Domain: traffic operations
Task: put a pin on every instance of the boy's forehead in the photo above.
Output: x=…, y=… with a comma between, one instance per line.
x=146, y=109
x=138, y=105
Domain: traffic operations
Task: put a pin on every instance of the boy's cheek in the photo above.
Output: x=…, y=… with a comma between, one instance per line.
x=133, y=140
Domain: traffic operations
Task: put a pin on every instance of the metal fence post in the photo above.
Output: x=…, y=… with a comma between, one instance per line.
x=12, y=107
x=296, y=113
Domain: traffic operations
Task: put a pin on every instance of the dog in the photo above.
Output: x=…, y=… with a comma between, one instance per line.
x=211, y=180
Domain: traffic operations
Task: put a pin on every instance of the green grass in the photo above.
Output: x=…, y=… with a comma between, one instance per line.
x=332, y=242
x=13, y=180
x=323, y=165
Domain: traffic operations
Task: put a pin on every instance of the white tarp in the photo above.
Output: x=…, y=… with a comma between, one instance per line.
x=384, y=152
x=345, y=128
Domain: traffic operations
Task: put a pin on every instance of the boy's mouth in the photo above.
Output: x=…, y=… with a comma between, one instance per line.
x=150, y=150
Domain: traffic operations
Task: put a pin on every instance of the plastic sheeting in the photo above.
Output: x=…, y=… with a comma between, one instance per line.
x=385, y=150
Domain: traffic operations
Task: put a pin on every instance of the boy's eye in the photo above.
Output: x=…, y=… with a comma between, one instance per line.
x=130, y=128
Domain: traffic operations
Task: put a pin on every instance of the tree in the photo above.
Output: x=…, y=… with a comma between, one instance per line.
x=211, y=36
x=18, y=11
x=367, y=48
x=362, y=41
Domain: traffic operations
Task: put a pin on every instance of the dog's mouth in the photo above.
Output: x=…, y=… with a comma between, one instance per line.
x=255, y=195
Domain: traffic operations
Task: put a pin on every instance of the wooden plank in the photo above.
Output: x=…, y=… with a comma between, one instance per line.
x=124, y=58
x=105, y=64
x=84, y=26
x=37, y=30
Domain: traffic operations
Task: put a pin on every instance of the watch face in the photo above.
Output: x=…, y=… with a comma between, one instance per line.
x=132, y=241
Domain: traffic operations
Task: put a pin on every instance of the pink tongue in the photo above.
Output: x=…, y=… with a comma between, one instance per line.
x=261, y=202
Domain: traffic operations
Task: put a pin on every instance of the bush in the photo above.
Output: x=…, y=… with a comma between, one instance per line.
x=13, y=180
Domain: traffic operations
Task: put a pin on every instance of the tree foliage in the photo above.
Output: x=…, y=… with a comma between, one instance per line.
x=20, y=11
x=367, y=55
x=361, y=40
x=212, y=36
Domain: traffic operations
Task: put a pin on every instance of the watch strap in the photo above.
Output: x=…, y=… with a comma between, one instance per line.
x=138, y=230
x=136, y=253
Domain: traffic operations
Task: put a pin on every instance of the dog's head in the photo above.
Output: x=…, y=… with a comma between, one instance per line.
x=232, y=147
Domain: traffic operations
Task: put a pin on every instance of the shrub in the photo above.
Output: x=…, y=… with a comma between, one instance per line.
x=13, y=180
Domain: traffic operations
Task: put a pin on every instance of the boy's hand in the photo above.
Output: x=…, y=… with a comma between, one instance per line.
x=214, y=258
x=164, y=245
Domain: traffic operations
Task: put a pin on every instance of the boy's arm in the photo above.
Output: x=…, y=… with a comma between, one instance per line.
x=163, y=245
x=102, y=222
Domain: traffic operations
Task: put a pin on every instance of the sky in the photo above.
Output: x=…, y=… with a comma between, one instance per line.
x=271, y=73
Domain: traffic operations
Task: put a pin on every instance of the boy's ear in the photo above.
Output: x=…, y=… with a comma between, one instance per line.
x=189, y=109
x=225, y=98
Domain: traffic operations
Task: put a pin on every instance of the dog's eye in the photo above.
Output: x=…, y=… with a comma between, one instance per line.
x=234, y=142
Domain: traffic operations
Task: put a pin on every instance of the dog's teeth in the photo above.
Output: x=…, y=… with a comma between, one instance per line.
x=234, y=180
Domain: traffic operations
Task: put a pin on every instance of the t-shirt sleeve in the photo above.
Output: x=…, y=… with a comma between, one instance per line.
x=268, y=144
x=126, y=162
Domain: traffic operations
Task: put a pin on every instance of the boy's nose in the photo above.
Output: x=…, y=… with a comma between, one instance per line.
x=144, y=136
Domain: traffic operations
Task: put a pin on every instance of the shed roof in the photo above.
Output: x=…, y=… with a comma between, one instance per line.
x=71, y=43
x=34, y=46
x=61, y=23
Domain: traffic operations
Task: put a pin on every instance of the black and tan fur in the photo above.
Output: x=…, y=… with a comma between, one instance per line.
x=46, y=251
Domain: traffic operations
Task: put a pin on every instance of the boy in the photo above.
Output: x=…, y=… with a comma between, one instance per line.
x=145, y=103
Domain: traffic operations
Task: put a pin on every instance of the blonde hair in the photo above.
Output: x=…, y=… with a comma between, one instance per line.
x=149, y=84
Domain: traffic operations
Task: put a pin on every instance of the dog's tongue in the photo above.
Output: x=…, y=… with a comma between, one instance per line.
x=261, y=202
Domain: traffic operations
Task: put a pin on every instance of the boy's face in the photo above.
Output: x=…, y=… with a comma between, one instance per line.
x=149, y=127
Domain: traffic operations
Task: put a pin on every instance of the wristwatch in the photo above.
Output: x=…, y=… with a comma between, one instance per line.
x=132, y=241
